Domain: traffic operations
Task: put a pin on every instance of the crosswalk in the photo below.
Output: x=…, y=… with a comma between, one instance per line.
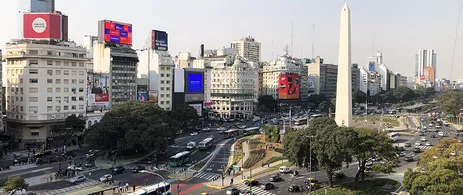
x=423, y=147
x=255, y=190
x=87, y=183
x=207, y=176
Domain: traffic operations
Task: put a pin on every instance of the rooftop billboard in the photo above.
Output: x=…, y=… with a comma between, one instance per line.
x=115, y=32
x=42, y=26
x=159, y=40
x=288, y=86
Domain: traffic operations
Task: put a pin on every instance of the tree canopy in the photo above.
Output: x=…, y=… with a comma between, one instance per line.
x=403, y=94
x=15, y=183
x=359, y=97
x=272, y=134
x=451, y=102
x=185, y=115
x=133, y=127
x=72, y=126
x=267, y=103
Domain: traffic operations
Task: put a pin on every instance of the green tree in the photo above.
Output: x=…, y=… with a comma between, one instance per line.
x=72, y=126
x=444, y=148
x=326, y=106
x=451, y=102
x=185, y=115
x=133, y=127
x=272, y=134
x=317, y=99
x=15, y=183
x=267, y=103
x=371, y=143
x=403, y=94
x=359, y=97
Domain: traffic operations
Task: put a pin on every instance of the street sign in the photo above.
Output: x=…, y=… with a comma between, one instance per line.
x=235, y=167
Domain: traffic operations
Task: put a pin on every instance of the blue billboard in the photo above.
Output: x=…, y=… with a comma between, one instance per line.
x=195, y=82
x=142, y=96
x=159, y=40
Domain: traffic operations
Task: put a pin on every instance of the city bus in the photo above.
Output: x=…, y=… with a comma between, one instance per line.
x=301, y=121
x=393, y=136
x=231, y=133
x=251, y=131
x=179, y=159
x=206, y=143
x=154, y=189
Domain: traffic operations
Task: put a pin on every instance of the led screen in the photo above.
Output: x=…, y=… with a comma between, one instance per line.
x=289, y=86
x=117, y=33
x=195, y=83
x=159, y=40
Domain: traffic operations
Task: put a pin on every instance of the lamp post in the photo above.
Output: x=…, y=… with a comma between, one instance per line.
x=310, y=162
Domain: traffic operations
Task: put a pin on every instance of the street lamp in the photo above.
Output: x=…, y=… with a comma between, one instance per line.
x=310, y=162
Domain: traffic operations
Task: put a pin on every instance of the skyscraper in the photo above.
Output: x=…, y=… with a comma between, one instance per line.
x=424, y=58
x=36, y=6
x=248, y=48
x=344, y=86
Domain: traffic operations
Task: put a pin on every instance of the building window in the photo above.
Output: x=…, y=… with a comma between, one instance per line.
x=35, y=133
x=66, y=108
x=81, y=98
x=73, y=72
x=81, y=89
x=167, y=75
x=81, y=107
x=162, y=68
x=49, y=99
x=74, y=99
x=33, y=109
x=73, y=90
x=49, y=62
x=162, y=95
x=73, y=81
x=58, y=81
x=57, y=90
x=49, y=108
x=33, y=90
x=73, y=64
x=66, y=90
x=167, y=82
x=58, y=108
x=58, y=63
x=162, y=75
x=167, y=95
x=73, y=107
x=167, y=102
x=66, y=72
x=66, y=63
x=49, y=90
x=162, y=102
x=66, y=81
x=81, y=64
x=162, y=88
x=50, y=81
x=33, y=71
x=21, y=80
x=33, y=99
x=162, y=81
x=58, y=72
x=34, y=52
x=33, y=80
x=81, y=73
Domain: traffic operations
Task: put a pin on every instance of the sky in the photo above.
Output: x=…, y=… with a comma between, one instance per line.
x=397, y=28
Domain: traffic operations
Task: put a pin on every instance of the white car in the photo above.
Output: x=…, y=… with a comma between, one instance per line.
x=417, y=143
x=441, y=134
x=74, y=168
x=438, y=126
x=428, y=143
x=194, y=133
x=106, y=177
x=430, y=124
x=423, y=139
x=78, y=179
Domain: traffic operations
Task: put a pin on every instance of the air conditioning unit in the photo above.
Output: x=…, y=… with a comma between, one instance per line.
x=53, y=116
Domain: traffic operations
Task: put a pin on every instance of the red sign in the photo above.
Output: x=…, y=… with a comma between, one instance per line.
x=288, y=86
x=101, y=97
x=42, y=26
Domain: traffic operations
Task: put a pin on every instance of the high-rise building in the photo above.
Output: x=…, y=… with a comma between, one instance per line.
x=189, y=88
x=2, y=126
x=184, y=60
x=45, y=84
x=36, y=6
x=424, y=58
x=248, y=48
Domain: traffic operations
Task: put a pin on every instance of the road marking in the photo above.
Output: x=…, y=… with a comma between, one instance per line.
x=190, y=189
x=34, y=171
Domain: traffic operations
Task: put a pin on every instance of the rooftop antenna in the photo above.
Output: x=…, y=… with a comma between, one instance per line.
x=313, y=40
x=292, y=37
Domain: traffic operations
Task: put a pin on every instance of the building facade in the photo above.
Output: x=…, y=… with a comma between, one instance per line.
x=45, y=84
x=248, y=48
x=184, y=60
x=424, y=58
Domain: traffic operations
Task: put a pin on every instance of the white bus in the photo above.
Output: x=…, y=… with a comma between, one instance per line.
x=393, y=136
x=179, y=159
x=154, y=189
x=206, y=143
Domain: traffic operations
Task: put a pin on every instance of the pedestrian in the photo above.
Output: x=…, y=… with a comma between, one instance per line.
x=231, y=181
x=120, y=189
x=51, y=178
x=126, y=186
x=268, y=164
x=119, y=184
x=133, y=188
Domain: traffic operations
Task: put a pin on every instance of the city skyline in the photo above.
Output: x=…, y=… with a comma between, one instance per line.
x=371, y=21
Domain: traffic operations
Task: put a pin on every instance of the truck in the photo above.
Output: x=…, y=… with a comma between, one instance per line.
x=191, y=145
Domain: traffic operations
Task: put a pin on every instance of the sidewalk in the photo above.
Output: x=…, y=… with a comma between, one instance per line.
x=456, y=126
x=9, y=156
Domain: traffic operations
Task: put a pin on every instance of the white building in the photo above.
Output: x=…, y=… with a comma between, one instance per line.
x=234, y=87
x=375, y=63
x=364, y=79
x=248, y=48
x=284, y=64
x=425, y=57
x=184, y=60
x=89, y=43
x=45, y=84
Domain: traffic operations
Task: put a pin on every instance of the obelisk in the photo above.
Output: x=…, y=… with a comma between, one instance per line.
x=344, y=85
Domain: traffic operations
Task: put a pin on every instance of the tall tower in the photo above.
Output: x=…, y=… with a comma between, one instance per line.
x=344, y=85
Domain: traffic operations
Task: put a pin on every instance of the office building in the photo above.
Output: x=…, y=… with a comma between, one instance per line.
x=184, y=60
x=89, y=43
x=45, y=84
x=283, y=65
x=36, y=6
x=2, y=95
x=424, y=58
x=248, y=48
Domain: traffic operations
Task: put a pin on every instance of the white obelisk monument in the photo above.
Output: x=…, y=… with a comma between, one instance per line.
x=344, y=86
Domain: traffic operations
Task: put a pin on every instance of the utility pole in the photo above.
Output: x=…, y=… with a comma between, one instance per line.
x=223, y=170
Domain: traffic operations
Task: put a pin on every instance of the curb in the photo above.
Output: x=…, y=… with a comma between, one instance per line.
x=217, y=187
x=184, y=179
x=171, y=176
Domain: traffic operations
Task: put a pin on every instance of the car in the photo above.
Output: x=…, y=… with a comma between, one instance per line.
x=275, y=178
x=402, y=154
x=430, y=124
x=88, y=164
x=267, y=186
x=207, y=129
x=416, y=150
x=118, y=170
x=441, y=134
x=247, y=193
x=232, y=191
x=78, y=179
x=285, y=169
x=194, y=133
x=106, y=177
x=417, y=143
x=453, y=153
x=138, y=169
x=438, y=126
x=423, y=139
x=294, y=188
x=251, y=182
x=408, y=144
x=74, y=168
x=408, y=158
x=428, y=143
x=369, y=163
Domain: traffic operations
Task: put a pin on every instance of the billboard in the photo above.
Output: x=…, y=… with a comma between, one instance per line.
x=142, y=93
x=153, y=96
x=288, y=86
x=159, y=40
x=98, y=91
x=42, y=26
x=311, y=83
x=195, y=82
x=115, y=32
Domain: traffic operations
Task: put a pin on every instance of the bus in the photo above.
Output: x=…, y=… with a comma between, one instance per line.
x=251, y=131
x=179, y=159
x=231, y=133
x=393, y=136
x=301, y=121
x=316, y=116
x=206, y=143
x=154, y=189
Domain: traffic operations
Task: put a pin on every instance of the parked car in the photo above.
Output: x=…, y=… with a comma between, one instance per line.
x=267, y=186
x=232, y=191
x=247, y=193
x=138, y=169
x=294, y=188
x=428, y=143
x=106, y=177
x=118, y=170
x=78, y=179
x=275, y=178
x=417, y=143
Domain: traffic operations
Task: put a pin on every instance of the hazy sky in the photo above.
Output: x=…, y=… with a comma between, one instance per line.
x=399, y=27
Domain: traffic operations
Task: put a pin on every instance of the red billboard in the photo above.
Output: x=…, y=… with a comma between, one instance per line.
x=42, y=26
x=116, y=32
x=288, y=86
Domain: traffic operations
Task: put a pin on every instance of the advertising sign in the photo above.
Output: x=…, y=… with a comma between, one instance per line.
x=159, y=40
x=116, y=32
x=42, y=26
x=288, y=86
x=311, y=83
x=142, y=96
x=98, y=91
x=195, y=82
x=153, y=96
x=422, y=78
